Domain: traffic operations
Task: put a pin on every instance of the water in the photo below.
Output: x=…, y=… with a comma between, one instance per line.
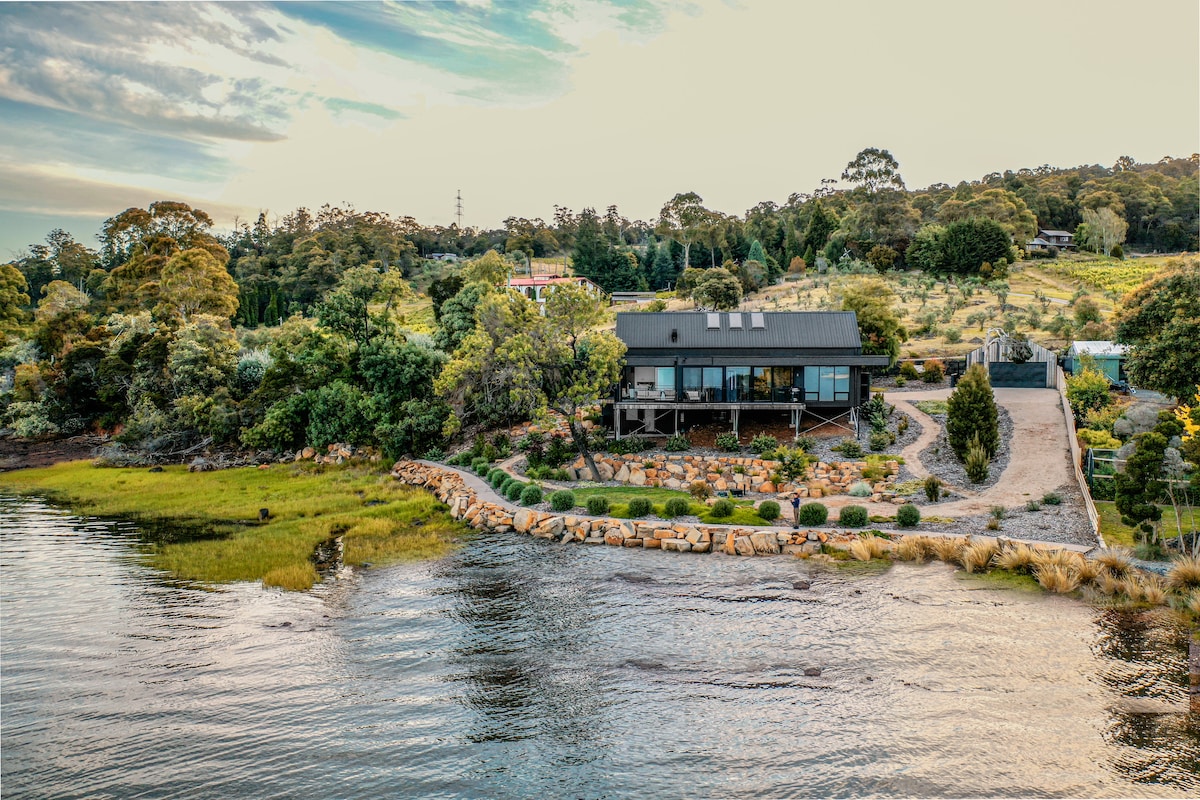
x=519, y=668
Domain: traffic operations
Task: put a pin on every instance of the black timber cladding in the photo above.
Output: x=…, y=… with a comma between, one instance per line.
x=781, y=330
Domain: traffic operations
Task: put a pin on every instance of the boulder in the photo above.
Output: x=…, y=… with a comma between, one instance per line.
x=523, y=520
x=742, y=546
x=676, y=545
x=764, y=543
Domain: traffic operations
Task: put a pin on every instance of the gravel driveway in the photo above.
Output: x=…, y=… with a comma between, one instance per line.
x=1040, y=455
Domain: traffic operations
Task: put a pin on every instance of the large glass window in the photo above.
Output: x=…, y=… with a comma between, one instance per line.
x=761, y=379
x=664, y=380
x=713, y=389
x=827, y=384
x=692, y=382
x=782, y=379
x=737, y=384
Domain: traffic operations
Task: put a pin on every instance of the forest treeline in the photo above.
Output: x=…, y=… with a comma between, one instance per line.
x=281, y=332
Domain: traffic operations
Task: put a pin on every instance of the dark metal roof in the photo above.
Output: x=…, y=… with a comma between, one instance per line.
x=781, y=330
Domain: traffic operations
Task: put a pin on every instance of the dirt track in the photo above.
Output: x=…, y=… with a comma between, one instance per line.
x=1040, y=454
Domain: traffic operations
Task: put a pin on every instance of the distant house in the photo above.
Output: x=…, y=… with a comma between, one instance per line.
x=444, y=256
x=1109, y=356
x=1047, y=239
x=684, y=368
x=537, y=287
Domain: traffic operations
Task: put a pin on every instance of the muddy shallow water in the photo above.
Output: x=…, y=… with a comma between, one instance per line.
x=517, y=668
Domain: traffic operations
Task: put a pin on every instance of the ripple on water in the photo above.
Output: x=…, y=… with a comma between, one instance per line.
x=517, y=668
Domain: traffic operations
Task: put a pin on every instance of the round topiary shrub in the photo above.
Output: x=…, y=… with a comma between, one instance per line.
x=860, y=489
x=721, y=509
x=497, y=477
x=676, y=507
x=640, y=507
x=481, y=466
x=562, y=500
x=597, y=505
x=768, y=510
x=513, y=490
x=853, y=517
x=531, y=495
x=812, y=514
x=908, y=515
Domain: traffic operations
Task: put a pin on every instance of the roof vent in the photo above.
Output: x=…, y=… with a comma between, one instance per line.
x=757, y=321
x=735, y=322
x=714, y=321
x=674, y=334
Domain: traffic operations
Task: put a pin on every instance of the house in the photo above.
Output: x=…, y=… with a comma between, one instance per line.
x=537, y=286
x=443, y=256
x=1046, y=239
x=684, y=368
x=1109, y=356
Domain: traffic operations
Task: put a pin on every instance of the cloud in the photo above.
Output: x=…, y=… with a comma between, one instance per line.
x=36, y=190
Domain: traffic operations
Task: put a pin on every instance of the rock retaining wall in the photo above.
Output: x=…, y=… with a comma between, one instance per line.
x=465, y=505
x=723, y=474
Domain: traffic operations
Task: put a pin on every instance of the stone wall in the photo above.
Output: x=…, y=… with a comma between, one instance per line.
x=465, y=505
x=723, y=473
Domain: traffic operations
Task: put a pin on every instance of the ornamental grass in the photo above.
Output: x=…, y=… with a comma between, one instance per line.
x=1056, y=578
x=868, y=546
x=1115, y=561
x=914, y=548
x=1017, y=558
x=947, y=549
x=1184, y=575
x=977, y=556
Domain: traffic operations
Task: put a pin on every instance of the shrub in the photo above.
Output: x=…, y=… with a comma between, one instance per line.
x=952, y=335
x=630, y=444
x=933, y=489
x=531, y=495
x=562, y=500
x=976, y=462
x=1102, y=440
x=993, y=524
x=768, y=510
x=676, y=507
x=496, y=477
x=1184, y=575
x=1033, y=505
x=850, y=448
x=640, y=507
x=879, y=441
x=763, y=442
x=515, y=490
x=997, y=512
x=805, y=443
x=908, y=515
x=1052, y=499
x=812, y=514
x=597, y=505
x=677, y=444
x=853, y=517
x=971, y=412
x=700, y=490
x=727, y=442
x=934, y=371
x=481, y=466
x=908, y=370
x=860, y=489
x=721, y=509
x=901, y=381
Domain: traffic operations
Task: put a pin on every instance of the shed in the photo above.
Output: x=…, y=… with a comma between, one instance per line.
x=1109, y=356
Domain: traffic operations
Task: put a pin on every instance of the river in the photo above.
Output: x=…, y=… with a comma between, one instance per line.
x=519, y=669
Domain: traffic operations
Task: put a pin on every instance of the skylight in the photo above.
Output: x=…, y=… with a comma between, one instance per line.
x=757, y=320
x=735, y=322
x=714, y=321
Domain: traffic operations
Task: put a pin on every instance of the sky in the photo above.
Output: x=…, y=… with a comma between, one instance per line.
x=238, y=108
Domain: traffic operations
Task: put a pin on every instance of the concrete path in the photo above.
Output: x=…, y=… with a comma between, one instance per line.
x=1039, y=460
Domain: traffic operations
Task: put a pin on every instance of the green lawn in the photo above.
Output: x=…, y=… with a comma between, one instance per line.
x=1117, y=533
x=379, y=519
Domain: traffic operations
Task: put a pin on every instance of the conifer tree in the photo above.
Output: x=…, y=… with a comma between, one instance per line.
x=972, y=411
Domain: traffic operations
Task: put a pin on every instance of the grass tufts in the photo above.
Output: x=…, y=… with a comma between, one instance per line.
x=1184, y=575
x=292, y=577
x=868, y=546
x=1056, y=578
x=914, y=548
x=1017, y=558
x=1116, y=561
x=947, y=548
x=977, y=556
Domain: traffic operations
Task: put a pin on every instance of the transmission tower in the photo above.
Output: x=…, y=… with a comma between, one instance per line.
x=458, y=209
